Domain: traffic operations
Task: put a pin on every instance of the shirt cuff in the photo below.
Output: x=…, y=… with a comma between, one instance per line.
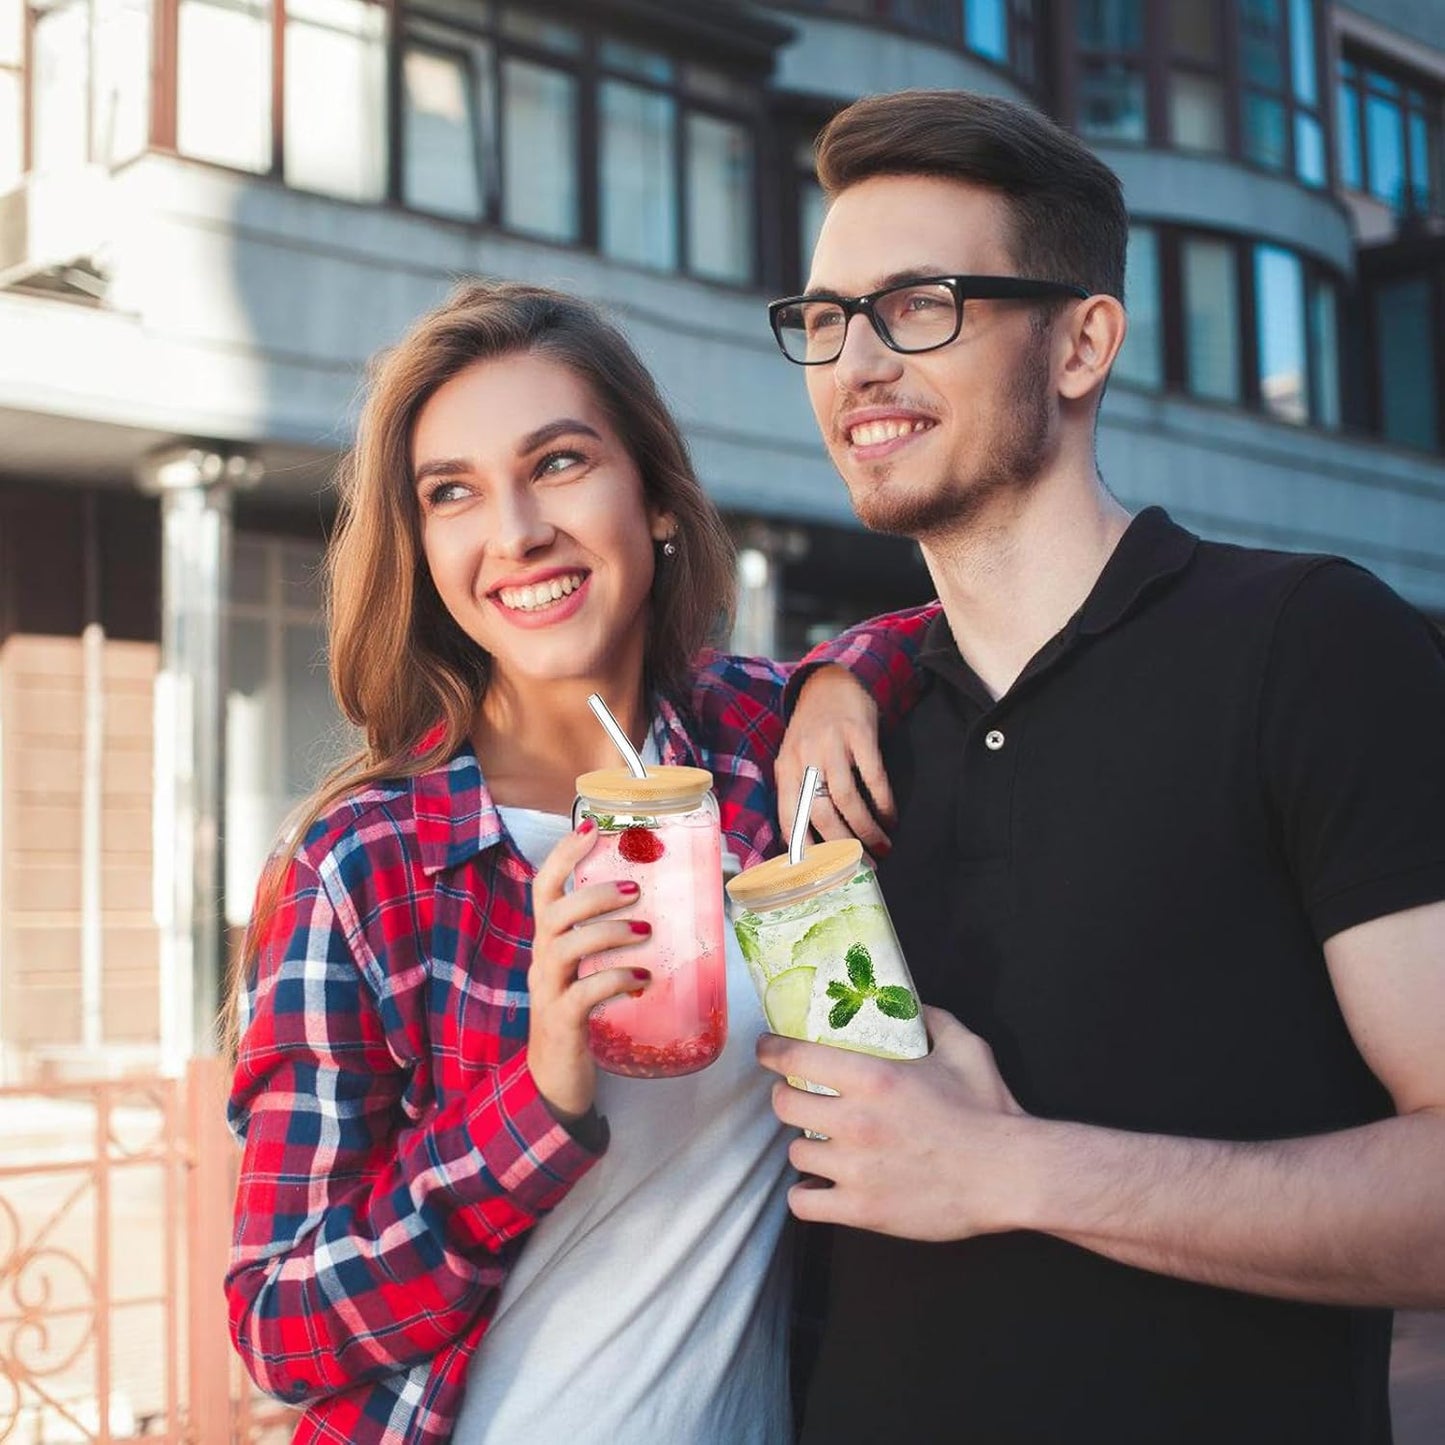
x=534, y=1159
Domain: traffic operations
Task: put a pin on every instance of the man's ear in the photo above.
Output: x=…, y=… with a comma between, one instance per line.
x=1092, y=338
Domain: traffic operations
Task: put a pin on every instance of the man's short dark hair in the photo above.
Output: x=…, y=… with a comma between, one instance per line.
x=1067, y=206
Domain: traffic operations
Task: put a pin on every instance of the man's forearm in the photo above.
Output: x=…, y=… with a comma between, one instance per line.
x=1355, y=1217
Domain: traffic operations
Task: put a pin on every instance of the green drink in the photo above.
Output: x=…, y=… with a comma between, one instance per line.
x=823, y=955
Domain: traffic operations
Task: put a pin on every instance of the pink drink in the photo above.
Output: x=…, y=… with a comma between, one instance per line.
x=677, y=1024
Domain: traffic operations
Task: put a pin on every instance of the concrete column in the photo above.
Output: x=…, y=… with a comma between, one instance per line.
x=762, y=549
x=194, y=484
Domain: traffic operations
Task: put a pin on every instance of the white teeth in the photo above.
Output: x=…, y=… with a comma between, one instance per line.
x=870, y=433
x=539, y=594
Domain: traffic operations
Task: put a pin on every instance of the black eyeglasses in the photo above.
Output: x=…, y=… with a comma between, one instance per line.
x=919, y=315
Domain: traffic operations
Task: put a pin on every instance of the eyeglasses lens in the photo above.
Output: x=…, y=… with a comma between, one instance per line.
x=912, y=318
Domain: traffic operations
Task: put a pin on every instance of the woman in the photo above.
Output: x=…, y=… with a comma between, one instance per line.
x=519, y=526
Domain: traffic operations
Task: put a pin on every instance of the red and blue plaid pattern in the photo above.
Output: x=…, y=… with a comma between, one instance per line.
x=396, y=1150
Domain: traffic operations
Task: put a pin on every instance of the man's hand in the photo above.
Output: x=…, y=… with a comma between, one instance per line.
x=920, y=1148
x=835, y=728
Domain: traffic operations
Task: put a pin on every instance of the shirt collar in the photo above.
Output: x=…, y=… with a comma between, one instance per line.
x=1153, y=549
x=456, y=816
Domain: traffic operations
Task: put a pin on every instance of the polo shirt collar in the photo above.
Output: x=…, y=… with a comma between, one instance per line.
x=456, y=816
x=1153, y=549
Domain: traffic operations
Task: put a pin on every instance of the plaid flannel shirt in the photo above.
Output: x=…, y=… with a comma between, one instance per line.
x=396, y=1149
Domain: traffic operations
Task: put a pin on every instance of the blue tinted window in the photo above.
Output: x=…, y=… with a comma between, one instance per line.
x=1351, y=174
x=1111, y=24
x=1309, y=150
x=987, y=28
x=1302, y=49
x=1280, y=313
x=1264, y=131
x=1385, y=148
x=1409, y=365
x=1260, y=35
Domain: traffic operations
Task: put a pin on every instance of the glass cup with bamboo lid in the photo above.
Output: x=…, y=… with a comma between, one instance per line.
x=661, y=832
x=822, y=952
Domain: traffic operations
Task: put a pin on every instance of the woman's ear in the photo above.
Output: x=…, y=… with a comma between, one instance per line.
x=664, y=526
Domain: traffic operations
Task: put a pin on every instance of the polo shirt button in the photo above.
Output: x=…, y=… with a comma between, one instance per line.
x=993, y=740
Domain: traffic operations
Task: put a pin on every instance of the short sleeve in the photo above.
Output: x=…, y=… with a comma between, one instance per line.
x=1352, y=747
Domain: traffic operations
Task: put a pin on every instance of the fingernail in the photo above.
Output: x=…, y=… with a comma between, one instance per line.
x=643, y=973
x=627, y=886
x=638, y=926
x=636, y=992
x=586, y=826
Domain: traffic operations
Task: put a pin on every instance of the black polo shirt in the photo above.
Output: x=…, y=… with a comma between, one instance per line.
x=1121, y=874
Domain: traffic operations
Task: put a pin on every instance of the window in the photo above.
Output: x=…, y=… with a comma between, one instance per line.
x=496, y=100
x=283, y=731
x=1238, y=79
x=1111, y=82
x=336, y=125
x=1408, y=362
x=333, y=90
x=1390, y=135
x=12, y=91
x=441, y=167
x=1141, y=361
x=90, y=91
x=719, y=199
x=1279, y=61
x=639, y=174
x=539, y=151
x=1247, y=323
x=1324, y=351
x=60, y=57
x=985, y=29
x=1211, y=319
x=1279, y=288
x=1001, y=31
x=223, y=97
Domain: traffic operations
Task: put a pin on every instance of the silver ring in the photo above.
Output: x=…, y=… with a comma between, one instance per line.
x=821, y=791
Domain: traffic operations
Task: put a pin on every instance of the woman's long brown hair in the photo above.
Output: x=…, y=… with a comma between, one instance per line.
x=399, y=663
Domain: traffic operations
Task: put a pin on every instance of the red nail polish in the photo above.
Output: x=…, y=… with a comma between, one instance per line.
x=638, y=926
x=627, y=886
x=586, y=826
x=643, y=973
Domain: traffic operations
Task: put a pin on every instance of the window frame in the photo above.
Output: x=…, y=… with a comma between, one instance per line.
x=589, y=70
x=1157, y=62
x=1410, y=83
x=1170, y=240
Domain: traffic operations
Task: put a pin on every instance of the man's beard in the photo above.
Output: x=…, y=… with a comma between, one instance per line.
x=1013, y=464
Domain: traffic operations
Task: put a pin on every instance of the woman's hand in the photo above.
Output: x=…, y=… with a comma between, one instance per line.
x=835, y=727
x=560, y=1001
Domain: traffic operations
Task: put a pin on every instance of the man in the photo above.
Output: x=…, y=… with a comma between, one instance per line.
x=1170, y=854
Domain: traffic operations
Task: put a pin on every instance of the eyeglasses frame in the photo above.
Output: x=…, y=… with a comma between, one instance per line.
x=963, y=288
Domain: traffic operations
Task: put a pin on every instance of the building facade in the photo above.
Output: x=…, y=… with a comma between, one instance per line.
x=212, y=212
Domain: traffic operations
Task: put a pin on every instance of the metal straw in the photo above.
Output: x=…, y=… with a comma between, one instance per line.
x=629, y=753
x=803, y=816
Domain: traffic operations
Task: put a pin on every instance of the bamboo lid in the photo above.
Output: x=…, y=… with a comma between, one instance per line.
x=664, y=786
x=766, y=884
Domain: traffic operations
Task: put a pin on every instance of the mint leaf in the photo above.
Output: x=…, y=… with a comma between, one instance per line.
x=606, y=822
x=860, y=968
x=897, y=1002
x=838, y=989
x=843, y=1010
x=746, y=928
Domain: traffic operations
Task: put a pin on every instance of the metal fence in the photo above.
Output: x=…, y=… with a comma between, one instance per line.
x=115, y=1210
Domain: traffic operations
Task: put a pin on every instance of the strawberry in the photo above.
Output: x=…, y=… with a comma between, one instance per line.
x=640, y=845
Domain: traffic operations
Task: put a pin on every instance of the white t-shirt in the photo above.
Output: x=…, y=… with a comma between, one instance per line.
x=650, y=1307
